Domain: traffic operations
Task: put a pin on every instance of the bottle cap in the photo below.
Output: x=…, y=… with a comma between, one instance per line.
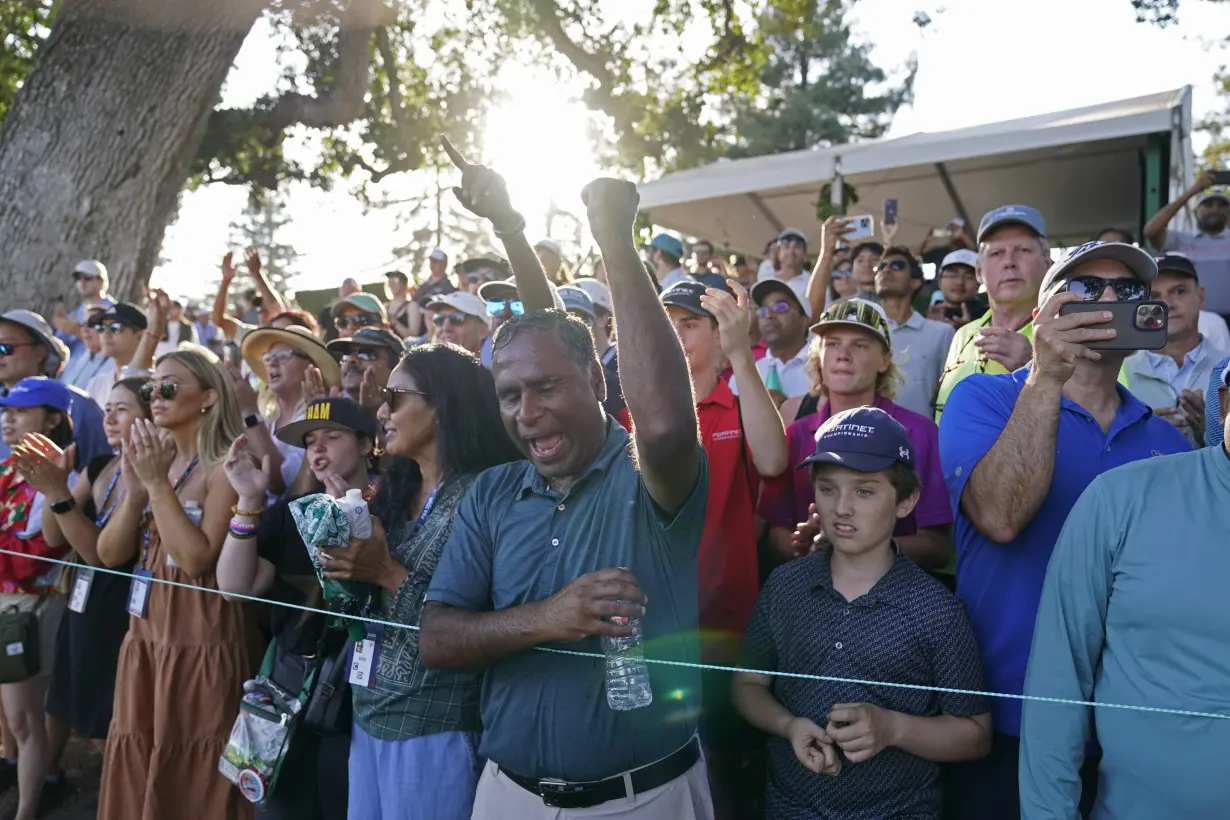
x=354, y=496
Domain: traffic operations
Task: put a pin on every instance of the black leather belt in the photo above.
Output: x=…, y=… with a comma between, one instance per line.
x=561, y=794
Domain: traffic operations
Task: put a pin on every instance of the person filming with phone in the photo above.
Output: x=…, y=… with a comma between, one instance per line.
x=1209, y=246
x=1017, y=450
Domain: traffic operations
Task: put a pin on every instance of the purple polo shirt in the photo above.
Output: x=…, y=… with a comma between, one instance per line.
x=786, y=497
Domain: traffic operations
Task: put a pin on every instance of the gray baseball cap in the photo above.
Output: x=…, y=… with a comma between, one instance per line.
x=57, y=351
x=1141, y=264
x=1012, y=215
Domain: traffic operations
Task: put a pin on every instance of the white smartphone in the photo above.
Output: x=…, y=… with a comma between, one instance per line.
x=861, y=227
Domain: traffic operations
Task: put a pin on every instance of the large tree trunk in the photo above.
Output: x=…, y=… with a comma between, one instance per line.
x=102, y=135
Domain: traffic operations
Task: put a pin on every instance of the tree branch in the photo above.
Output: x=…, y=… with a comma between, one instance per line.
x=595, y=65
x=397, y=104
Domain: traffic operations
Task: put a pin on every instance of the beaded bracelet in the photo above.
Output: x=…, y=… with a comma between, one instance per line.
x=247, y=513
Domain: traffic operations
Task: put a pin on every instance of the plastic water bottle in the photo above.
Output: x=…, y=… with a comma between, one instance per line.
x=627, y=674
x=360, y=517
x=773, y=381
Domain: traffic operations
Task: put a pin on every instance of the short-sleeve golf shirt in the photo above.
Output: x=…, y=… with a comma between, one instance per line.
x=1211, y=254
x=515, y=542
x=729, y=575
x=920, y=348
x=906, y=629
x=1001, y=584
x=786, y=497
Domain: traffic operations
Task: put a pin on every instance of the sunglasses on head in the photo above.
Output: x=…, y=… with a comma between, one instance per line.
x=9, y=348
x=454, y=319
x=1091, y=288
x=391, y=394
x=356, y=320
x=164, y=390
x=895, y=265
x=498, y=306
x=860, y=312
x=282, y=356
x=776, y=307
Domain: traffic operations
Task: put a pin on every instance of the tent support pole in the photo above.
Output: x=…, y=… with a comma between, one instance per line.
x=759, y=205
x=951, y=189
x=1157, y=175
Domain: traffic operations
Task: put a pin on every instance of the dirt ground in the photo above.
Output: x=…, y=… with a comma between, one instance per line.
x=83, y=765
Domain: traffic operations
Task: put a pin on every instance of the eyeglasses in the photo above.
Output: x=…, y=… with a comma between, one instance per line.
x=391, y=394
x=1091, y=288
x=769, y=310
x=895, y=265
x=356, y=320
x=9, y=348
x=283, y=356
x=165, y=390
x=454, y=319
x=858, y=312
x=111, y=327
x=496, y=307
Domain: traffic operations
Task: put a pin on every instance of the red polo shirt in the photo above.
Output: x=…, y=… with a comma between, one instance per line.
x=759, y=350
x=729, y=574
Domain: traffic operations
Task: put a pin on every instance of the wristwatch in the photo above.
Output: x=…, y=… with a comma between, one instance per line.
x=251, y=421
x=61, y=507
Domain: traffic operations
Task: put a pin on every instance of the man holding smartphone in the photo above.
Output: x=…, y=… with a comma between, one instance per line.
x=1209, y=247
x=1017, y=451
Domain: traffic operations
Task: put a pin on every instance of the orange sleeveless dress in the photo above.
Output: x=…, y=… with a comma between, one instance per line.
x=181, y=674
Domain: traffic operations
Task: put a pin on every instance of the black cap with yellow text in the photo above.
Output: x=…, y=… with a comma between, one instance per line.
x=331, y=414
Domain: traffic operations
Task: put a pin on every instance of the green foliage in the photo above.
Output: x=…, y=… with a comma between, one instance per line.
x=818, y=86
x=23, y=26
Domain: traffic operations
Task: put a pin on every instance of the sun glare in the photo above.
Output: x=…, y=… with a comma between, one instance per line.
x=537, y=140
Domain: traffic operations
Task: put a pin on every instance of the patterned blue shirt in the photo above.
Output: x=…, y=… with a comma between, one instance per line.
x=908, y=628
x=1214, y=424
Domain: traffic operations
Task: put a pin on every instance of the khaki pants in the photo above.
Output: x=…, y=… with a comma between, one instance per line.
x=684, y=798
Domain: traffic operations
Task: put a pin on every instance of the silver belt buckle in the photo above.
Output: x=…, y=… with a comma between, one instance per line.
x=552, y=789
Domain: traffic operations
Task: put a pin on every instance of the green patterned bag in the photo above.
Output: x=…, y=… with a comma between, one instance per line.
x=322, y=522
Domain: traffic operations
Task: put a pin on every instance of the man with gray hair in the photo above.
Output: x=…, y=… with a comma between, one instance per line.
x=1013, y=255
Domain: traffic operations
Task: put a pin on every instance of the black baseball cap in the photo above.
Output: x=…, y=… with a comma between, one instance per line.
x=1177, y=263
x=330, y=414
x=762, y=289
x=687, y=296
x=367, y=337
x=125, y=313
x=865, y=439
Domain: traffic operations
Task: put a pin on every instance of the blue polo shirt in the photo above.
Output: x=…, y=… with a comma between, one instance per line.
x=515, y=541
x=1001, y=584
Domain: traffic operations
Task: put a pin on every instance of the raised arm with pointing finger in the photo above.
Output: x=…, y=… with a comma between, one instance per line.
x=484, y=193
x=652, y=368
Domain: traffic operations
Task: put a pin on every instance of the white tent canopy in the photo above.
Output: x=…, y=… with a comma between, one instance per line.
x=1085, y=169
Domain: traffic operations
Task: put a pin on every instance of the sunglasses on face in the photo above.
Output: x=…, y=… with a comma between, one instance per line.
x=362, y=355
x=480, y=276
x=281, y=356
x=843, y=273
x=454, y=319
x=357, y=320
x=164, y=390
x=895, y=265
x=769, y=310
x=9, y=348
x=111, y=327
x=391, y=394
x=514, y=306
x=1091, y=288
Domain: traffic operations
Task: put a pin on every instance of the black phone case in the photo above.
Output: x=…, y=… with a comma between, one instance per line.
x=1130, y=337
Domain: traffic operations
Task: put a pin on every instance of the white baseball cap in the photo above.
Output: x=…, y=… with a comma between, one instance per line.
x=961, y=257
x=550, y=245
x=598, y=292
x=438, y=255
x=461, y=300
x=91, y=268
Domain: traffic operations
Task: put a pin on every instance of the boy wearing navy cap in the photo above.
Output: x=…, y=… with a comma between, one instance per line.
x=860, y=610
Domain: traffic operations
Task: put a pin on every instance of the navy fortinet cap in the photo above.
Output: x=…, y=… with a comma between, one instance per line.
x=865, y=439
x=1012, y=215
x=687, y=296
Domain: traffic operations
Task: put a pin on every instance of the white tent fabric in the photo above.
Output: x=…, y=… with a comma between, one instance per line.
x=1083, y=168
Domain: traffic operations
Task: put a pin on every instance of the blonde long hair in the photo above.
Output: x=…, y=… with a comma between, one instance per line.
x=221, y=423
x=886, y=382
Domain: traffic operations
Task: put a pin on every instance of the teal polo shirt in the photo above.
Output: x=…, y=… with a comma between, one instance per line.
x=514, y=542
x=1001, y=584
